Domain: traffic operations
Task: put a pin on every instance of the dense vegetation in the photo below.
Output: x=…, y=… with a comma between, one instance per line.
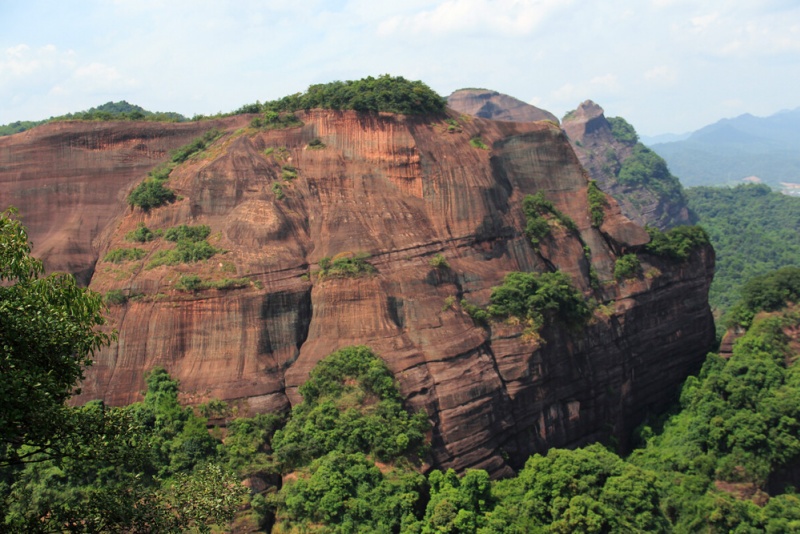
x=110, y=111
x=767, y=292
x=645, y=169
x=622, y=130
x=703, y=472
x=147, y=467
x=394, y=94
x=153, y=192
x=349, y=454
x=540, y=213
x=753, y=229
x=627, y=266
x=534, y=296
x=676, y=243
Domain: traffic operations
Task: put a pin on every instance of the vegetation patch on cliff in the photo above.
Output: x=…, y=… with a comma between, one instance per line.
x=393, y=94
x=676, y=243
x=622, y=130
x=119, y=255
x=190, y=246
x=597, y=203
x=645, y=168
x=345, y=266
x=192, y=282
x=627, y=267
x=538, y=210
x=153, y=192
x=534, y=296
x=477, y=142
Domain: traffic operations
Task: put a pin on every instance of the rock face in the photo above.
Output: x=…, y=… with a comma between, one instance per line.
x=598, y=151
x=493, y=105
x=602, y=155
x=69, y=180
x=401, y=189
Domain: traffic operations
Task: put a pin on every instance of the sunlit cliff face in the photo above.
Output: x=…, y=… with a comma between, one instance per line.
x=396, y=191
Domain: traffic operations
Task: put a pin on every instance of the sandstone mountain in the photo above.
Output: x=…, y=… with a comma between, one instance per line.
x=647, y=195
x=654, y=200
x=280, y=203
x=493, y=105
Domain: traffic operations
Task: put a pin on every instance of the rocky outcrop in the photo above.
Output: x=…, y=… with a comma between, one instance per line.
x=493, y=105
x=401, y=189
x=589, y=132
x=603, y=155
x=69, y=180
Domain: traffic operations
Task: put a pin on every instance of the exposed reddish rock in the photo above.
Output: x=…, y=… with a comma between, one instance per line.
x=602, y=155
x=401, y=189
x=493, y=105
x=70, y=179
x=599, y=152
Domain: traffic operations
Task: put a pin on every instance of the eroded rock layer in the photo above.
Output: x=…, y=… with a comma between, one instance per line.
x=401, y=189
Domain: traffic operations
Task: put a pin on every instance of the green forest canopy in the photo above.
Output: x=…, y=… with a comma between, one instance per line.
x=147, y=467
x=753, y=229
x=393, y=94
x=116, y=111
x=350, y=452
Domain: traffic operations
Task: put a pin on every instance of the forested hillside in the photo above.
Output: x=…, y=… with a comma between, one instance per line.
x=118, y=111
x=753, y=230
x=730, y=150
x=350, y=457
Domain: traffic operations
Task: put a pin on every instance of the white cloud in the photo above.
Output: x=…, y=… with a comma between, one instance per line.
x=703, y=22
x=514, y=17
x=21, y=61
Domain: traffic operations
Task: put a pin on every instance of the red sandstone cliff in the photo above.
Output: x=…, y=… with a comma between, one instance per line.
x=497, y=106
x=401, y=189
x=602, y=155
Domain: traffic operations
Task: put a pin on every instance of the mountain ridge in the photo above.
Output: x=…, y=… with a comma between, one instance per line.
x=401, y=189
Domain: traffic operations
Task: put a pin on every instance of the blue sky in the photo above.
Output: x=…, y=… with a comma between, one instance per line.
x=665, y=65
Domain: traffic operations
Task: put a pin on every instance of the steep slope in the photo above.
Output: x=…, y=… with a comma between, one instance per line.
x=258, y=315
x=493, y=105
x=652, y=196
x=657, y=201
x=70, y=179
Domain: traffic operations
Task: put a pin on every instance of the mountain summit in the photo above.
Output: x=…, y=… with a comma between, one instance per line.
x=519, y=309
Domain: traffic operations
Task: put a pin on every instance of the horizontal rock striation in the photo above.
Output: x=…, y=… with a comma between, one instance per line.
x=402, y=190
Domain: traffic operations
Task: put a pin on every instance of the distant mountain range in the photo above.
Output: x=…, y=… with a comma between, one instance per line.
x=742, y=149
